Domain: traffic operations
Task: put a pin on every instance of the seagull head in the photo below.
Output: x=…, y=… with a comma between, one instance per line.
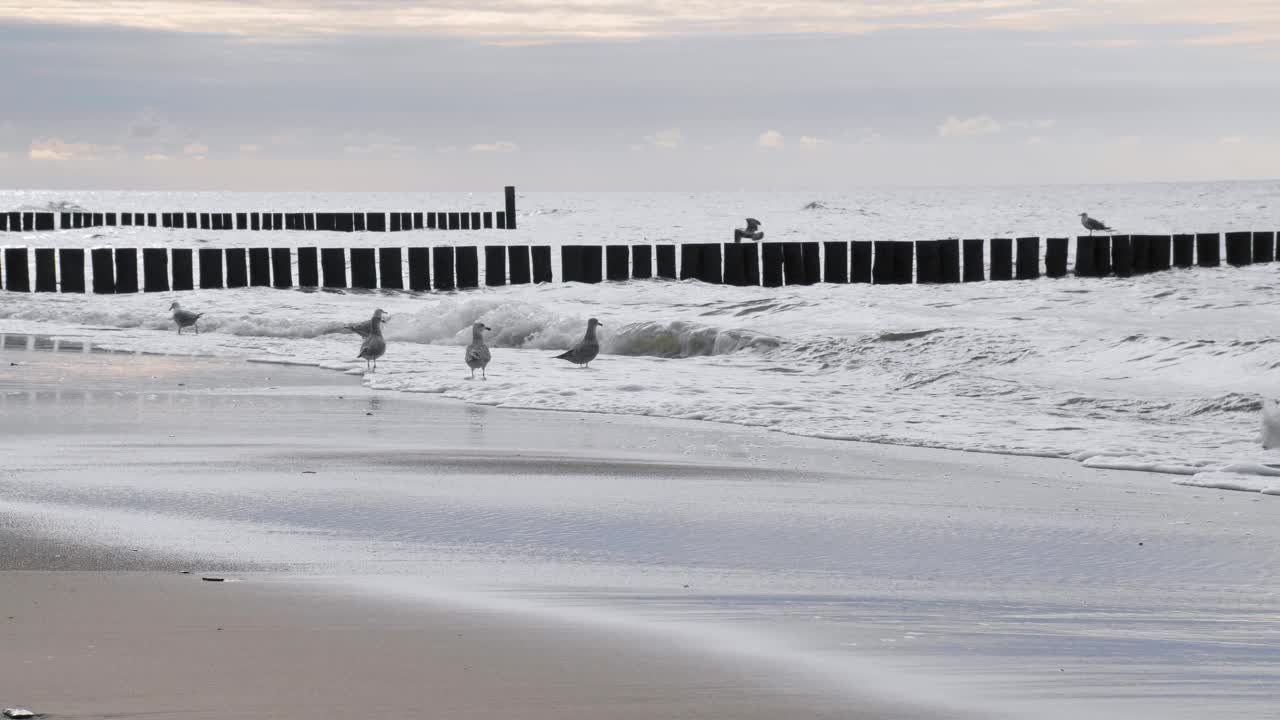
x=381, y=314
x=1084, y=215
x=174, y=306
x=481, y=326
x=594, y=322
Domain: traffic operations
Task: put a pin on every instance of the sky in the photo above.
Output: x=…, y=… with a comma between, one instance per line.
x=334, y=95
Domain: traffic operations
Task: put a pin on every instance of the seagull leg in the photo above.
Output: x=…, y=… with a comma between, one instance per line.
x=483, y=376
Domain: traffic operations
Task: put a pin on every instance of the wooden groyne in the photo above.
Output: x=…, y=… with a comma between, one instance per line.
x=505, y=219
x=770, y=264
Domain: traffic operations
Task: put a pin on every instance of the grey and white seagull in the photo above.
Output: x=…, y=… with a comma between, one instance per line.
x=1092, y=224
x=586, y=349
x=185, y=318
x=477, y=355
x=373, y=346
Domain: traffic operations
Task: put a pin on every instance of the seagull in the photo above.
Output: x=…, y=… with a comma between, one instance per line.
x=751, y=233
x=477, y=355
x=362, y=328
x=1092, y=224
x=373, y=346
x=586, y=349
x=185, y=318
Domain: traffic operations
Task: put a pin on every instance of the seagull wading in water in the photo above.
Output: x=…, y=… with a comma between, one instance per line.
x=185, y=318
x=477, y=355
x=586, y=349
x=1092, y=224
x=373, y=346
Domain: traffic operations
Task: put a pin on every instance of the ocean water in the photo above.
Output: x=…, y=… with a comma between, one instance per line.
x=1165, y=372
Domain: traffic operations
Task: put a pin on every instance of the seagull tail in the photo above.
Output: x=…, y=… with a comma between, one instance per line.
x=565, y=355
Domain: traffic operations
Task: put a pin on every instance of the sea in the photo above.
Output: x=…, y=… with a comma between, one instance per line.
x=1167, y=373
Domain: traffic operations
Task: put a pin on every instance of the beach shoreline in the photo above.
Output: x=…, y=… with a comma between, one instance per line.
x=874, y=570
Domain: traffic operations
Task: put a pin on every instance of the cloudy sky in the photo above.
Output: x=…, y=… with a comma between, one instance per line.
x=634, y=94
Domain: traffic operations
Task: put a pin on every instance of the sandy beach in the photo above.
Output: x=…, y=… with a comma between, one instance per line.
x=401, y=556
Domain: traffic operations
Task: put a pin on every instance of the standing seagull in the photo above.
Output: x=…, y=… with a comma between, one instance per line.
x=477, y=355
x=373, y=346
x=185, y=318
x=1091, y=224
x=586, y=349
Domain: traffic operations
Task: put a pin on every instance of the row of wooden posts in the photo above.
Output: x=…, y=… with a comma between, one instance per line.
x=769, y=264
x=31, y=221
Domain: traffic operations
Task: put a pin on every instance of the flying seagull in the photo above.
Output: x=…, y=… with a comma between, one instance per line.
x=1092, y=224
x=185, y=318
x=751, y=233
x=586, y=349
x=373, y=346
x=477, y=355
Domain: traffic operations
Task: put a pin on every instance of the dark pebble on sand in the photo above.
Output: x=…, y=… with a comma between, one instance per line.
x=213, y=579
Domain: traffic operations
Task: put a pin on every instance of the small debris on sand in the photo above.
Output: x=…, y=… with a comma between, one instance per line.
x=213, y=579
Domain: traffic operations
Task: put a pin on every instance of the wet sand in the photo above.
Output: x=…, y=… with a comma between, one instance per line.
x=1001, y=549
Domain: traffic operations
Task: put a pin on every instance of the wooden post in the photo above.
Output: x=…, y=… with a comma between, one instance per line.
x=217, y=221
x=1121, y=256
x=1028, y=262
x=71, y=269
x=617, y=262
x=772, y=259
x=64, y=221
x=467, y=262
x=46, y=270
x=642, y=261
x=45, y=222
x=344, y=222
x=928, y=262
x=333, y=267
x=709, y=264
x=495, y=265
x=205, y=223
x=417, y=221
x=1102, y=255
x=518, y=259
x=666, y=256
x=237, y=270
x=1055, y=257
x=812, y=253
x=191, y=220
x=395, y=222
x=255, y=221
x=500, y=220
x=277, y=221
x=903, y=256
x=308, y=267
x=735, y=264
x=99, y=222
x=1161, y=252
x=281, y=268
x=509, y=192
x=406, y=221
x=364, y=273
x=751, y=270
x=15, y=221
x=126, y=270
x=455, y=221
x=793, y=264
x=1208, y=250
x=155, y=269
x=488, y=220
x=104, y=271
x=390, y=269
x=860, y=261
x=974, y=262
x=178, y=220
x=319, y=221
x=948, y=260
x=419, y=269
x=357, y=222
x=375, y=222
x=571, y=263
x=541, y=263
x=210, y=268
x=1085, y=265
x=259, y=267
x=431, y=221
x=1264, y=247
x=166, y=221
x=1001, y=259
x=882, y=268
x=690, y=261
x=1140, y=247
x=1239, y=248
x=77, y=220
x=442, y=259
x=475, y=220
x=592, y=264
x=183, y=263
x=242, y=221
x=836, y=263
